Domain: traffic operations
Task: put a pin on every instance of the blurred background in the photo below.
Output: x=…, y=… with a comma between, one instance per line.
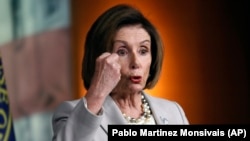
x=206, y=62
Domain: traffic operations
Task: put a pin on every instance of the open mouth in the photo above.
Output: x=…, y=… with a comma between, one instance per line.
x=136, y=79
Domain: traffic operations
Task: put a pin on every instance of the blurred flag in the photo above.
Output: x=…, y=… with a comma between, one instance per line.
x=34, y=38
x=6, y=126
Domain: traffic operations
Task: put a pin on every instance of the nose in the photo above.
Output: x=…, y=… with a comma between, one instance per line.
x=134, y=61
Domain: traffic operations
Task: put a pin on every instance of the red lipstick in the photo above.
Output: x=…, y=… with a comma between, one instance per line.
x=135, y=79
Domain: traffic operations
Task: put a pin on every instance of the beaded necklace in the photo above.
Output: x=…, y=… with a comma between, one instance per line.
x=146, y=115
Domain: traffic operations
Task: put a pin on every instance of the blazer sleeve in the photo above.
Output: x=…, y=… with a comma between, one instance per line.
x=72, y=122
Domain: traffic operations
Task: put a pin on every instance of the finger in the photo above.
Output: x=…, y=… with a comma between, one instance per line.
x=104, y=55
x=112, y=58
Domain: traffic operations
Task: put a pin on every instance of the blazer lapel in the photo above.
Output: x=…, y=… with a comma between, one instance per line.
x=112, y=114
x=159, y=115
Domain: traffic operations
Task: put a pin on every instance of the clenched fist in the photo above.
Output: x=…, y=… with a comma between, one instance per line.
x=106, y=76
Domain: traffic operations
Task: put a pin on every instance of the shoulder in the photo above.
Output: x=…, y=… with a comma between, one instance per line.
x=164, y=104
x=159, y=100
x=69, y=103
x=169, y=109
x=66, y=107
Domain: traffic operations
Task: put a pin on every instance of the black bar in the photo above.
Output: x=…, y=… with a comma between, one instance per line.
x=163, y=132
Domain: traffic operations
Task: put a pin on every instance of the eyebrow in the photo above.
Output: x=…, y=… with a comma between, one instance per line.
x=126, y=42
x=145, y=41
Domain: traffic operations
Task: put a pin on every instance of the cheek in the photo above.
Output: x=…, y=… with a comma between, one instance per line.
x=147, y=65
x=124, y=66
x=146, y=69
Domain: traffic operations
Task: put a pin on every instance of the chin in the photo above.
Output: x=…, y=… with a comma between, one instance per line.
x=136, y=88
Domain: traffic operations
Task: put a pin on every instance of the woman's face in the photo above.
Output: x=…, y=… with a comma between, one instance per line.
x=133, y=45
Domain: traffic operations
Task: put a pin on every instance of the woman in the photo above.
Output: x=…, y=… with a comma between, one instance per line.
x=123, y=57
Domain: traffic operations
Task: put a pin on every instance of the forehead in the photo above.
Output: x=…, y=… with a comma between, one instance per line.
x=133, y=32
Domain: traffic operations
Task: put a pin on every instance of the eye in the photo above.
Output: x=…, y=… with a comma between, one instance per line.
x=122, y=52
x=143, y=51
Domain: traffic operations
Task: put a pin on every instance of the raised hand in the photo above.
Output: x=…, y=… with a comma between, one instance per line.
x=106, y=76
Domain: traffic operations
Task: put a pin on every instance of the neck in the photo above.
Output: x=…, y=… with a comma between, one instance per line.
x=130, y=104
x=143, y=117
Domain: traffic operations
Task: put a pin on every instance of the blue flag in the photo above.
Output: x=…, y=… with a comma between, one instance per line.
x=6, y=123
